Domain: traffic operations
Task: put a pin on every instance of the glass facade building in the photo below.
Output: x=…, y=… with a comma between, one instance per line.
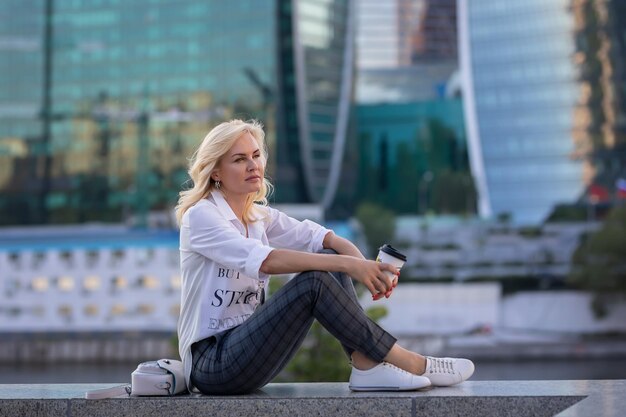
x=414, y=157
x=599, y=131
x=436, y=37
x=520, y=89
x=410, y=120
x=407, y=50
x=103, y=101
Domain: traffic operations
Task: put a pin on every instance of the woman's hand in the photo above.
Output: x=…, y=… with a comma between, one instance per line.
x=380, y=295
x=372, y=275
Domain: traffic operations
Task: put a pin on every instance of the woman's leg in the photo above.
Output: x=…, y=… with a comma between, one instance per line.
x=250, y=355
x=402, y=358
x=348, y=285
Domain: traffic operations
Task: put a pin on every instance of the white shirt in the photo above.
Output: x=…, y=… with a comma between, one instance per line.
x=221, y=282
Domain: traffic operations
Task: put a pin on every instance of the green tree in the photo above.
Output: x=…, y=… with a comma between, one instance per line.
x=453, y=192
x=379, y=225
x=404, y=186
x=568, y=213
x=599, y=263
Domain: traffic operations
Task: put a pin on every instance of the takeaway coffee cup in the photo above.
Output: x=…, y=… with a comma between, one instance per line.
x=389, y=255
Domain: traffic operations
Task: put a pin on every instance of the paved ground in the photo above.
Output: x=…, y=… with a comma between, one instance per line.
x=473, y=398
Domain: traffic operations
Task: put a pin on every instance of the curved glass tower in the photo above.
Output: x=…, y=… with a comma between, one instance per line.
x=323, y=38
x=520, y=91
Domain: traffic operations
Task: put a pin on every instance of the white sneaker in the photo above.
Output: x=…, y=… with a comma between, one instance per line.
x=386, y=377
x=444, y=372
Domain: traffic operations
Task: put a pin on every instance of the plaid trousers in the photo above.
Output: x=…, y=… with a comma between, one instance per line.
x=246, y=357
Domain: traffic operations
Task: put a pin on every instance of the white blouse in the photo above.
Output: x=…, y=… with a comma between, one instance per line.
x=221, y=282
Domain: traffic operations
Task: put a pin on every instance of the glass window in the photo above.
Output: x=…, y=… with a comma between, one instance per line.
x=40, y=284
x=65, y=283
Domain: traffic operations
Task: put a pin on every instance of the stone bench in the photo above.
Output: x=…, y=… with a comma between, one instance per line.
x=472, y=398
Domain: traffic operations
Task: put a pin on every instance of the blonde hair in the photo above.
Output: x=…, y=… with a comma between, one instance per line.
x=204, y=160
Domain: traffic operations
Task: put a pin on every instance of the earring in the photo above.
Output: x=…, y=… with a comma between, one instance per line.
x=218, y=184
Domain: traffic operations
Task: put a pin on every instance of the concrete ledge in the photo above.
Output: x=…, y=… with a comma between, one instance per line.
x=472, y=398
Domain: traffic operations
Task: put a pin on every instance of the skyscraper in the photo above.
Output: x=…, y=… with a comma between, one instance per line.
x=599, y=130
x=435, y=36
x=411, y=131
x=407, y=49
x=520, y=89
x=102, y=102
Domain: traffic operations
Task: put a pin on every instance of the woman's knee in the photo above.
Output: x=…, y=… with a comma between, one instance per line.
x=316, y=282
x=315, y=278
x=328, y=278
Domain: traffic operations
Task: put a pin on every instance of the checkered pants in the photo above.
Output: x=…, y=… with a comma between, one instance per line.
x=247, y=357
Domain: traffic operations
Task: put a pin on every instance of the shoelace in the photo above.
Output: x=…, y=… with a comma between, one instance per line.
x=440, y=366
x=394, y=367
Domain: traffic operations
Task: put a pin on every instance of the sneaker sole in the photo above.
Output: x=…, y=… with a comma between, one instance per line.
x=387, y=388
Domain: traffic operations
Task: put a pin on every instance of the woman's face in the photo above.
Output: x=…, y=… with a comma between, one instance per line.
x=241, y=169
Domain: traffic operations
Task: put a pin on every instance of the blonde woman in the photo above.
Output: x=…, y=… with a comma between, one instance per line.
x=231, y=339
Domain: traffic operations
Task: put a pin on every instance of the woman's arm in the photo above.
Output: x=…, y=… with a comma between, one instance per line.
x=341, y=246
x=350, y=261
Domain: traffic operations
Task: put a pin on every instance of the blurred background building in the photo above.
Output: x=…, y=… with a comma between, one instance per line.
x=415, y=154
x=102, y=103
x=410, y=110
x=599, y=128
x=521, y=89
x=407, y=50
